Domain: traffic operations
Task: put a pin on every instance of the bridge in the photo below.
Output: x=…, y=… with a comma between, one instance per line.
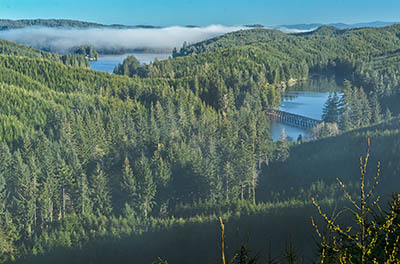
x=292, y=119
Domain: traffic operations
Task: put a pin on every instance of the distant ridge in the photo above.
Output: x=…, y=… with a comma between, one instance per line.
x=312, y=26
x=255, y=26
x=8, y=24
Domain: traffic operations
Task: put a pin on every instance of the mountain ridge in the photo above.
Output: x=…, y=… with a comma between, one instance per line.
x=10, y=24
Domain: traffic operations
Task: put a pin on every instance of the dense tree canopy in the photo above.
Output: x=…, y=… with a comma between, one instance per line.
x=89, y=144
x=88, y=158
x=14, y=49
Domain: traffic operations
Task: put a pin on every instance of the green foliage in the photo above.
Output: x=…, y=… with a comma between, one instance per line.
x=14, y=49
x=282, y=149
x=366, y=56
x=372, y=237
x=112, y=149
x=332, y=157
x=130, y=67
x=100, y=193
x=88, y=51
x=7, y=24
x=324, y=130
x=357, y=110
x=92, y=161
x=330, y=112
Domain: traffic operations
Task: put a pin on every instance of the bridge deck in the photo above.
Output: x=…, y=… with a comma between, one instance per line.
x=292, y=119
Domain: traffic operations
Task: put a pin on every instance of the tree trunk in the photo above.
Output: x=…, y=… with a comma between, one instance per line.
x=63, y=202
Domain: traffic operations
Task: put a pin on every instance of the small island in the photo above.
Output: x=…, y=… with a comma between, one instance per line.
x=86, y=50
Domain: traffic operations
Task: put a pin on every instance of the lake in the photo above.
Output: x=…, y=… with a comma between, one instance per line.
x=307, y=99
x=107, y=63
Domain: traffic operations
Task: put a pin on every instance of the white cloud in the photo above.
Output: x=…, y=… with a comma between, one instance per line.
x=294, y=30
x=63, y=39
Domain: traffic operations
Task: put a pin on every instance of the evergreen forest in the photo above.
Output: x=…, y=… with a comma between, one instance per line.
x=138, y=166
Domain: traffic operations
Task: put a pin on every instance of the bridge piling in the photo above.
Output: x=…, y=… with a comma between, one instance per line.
x=292, y=119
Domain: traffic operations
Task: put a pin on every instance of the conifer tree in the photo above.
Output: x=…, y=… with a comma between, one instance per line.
x=162, y=171
x=282, y=148
x=210, y=170
x=376, y=115
x=356, y=108
x=147, y=189
x=346, y=123
x=5, y=161
x=84, y=202
x=129, y=184
x=100, y=192
x=365, y=108
x=388, y=114
x=25, y=197
x=67, y=186
x=229, y=175
x=331, y=112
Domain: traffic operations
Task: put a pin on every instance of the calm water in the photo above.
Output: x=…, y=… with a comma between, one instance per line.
x=306, y=99
x=107, y=63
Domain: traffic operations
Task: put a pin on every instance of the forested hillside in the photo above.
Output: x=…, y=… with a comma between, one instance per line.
x=79, y=143
x=324, y=160
x=91, y=164
x=14, y=49
x=368, y=57
x=8, y=24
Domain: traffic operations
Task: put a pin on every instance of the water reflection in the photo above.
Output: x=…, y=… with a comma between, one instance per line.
x=107, y=63
x=307, y=99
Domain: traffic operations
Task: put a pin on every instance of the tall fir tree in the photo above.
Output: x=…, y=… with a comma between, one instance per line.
x=282, y=148
x=376, y=115
x=25, y=196
x=147, y=189
x=331, y=111
x=129, y=184
x=100, y=192
x=84, y=202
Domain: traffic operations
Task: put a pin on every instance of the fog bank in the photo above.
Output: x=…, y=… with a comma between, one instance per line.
x=61, y=40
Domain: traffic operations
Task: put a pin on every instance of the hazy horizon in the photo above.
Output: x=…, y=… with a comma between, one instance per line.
x=185, y=12
x=63, y=39
x=193, y=25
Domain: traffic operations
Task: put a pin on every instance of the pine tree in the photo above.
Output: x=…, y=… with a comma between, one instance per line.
x=147, y=187
x=330, y=112
x=174, y=52
x=100, y=192
x=162, y=172
x=254, y=181
x=365, y=108
x=5, y=161
x=347, y=108
x=129, y=184
x=25, y=196
x=155, y=130
x=84, y=202
x=48, y=180
x=282, y=149
x=209, y=169
x=346, y=122
x=67, y=186
x=388, y=114
x=376, y=116
x=5, y=224
x=356, y=108
x=229, y=175
x=3, y=193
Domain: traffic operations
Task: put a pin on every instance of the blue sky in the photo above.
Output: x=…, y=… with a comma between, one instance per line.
x=205, y=12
